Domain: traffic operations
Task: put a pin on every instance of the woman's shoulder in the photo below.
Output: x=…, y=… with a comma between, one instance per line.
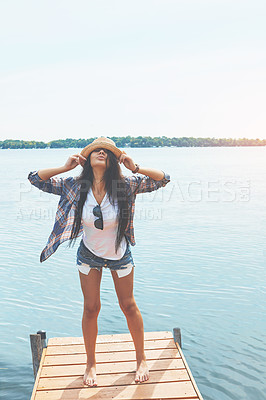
x=129, y=180
x=71, y=183
x=129, y=183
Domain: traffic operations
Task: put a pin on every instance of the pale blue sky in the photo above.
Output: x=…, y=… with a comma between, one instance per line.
x=115, y=67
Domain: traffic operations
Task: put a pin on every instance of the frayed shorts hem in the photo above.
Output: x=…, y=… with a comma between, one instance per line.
x=121, y=272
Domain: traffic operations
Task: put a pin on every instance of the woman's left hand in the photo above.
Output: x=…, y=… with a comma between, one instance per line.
x=127, y=161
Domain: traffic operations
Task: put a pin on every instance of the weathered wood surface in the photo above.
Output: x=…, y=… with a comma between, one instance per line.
x=63, y=364
x=36, y=352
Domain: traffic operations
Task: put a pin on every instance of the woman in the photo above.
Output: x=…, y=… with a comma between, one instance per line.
x=99, y=204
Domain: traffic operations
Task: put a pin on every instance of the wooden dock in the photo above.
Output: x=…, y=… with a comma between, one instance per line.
x=63, y=363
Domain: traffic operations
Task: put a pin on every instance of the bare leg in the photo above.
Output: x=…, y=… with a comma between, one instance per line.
x=90, y=285
x=124, y=291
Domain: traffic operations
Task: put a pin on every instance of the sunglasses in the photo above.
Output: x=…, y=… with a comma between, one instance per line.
x=97, y=212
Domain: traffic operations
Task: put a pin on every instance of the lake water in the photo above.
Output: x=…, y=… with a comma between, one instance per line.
x=200, y=265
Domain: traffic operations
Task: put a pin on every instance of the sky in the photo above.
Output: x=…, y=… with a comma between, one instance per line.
x=83, y=68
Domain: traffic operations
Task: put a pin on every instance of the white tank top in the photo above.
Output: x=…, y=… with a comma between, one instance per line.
x=102, y=242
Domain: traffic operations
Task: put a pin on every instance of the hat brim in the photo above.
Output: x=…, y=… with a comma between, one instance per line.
x=92, y=146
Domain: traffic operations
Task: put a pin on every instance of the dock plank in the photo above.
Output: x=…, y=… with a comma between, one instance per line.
x=104, y=347
x=109, y=368
x=119, y=337
x=167, y=390
x=74, y=382
x=111, y=356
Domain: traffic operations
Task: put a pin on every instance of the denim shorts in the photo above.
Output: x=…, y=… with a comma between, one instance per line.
x=86, y=257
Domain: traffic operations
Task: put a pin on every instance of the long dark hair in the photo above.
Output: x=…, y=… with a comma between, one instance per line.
x=115, y=186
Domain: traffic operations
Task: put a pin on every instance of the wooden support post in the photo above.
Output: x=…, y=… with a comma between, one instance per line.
x=37, y=342
x=177, y=336
x=43, y=338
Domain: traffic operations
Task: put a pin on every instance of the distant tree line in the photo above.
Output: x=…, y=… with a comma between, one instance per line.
x=130, y=141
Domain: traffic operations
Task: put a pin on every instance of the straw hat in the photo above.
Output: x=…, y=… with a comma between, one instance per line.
x=101, y=142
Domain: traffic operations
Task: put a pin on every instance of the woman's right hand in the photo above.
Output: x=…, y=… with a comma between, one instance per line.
x=73, y=161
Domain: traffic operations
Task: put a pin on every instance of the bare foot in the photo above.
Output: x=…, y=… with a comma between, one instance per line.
x=142, y=373
x=89, y=377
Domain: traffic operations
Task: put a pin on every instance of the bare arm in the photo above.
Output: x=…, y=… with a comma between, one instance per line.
x=152, y=173
x=155, y=174
x=72, y=162
x=47, y=173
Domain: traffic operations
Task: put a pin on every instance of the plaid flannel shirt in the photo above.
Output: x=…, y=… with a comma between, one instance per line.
x=69, y=189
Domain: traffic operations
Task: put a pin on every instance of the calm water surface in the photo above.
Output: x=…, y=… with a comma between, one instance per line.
x=200, y=265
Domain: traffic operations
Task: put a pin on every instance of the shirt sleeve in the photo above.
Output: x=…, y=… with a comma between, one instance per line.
x=53, y=185
x=143, y=183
